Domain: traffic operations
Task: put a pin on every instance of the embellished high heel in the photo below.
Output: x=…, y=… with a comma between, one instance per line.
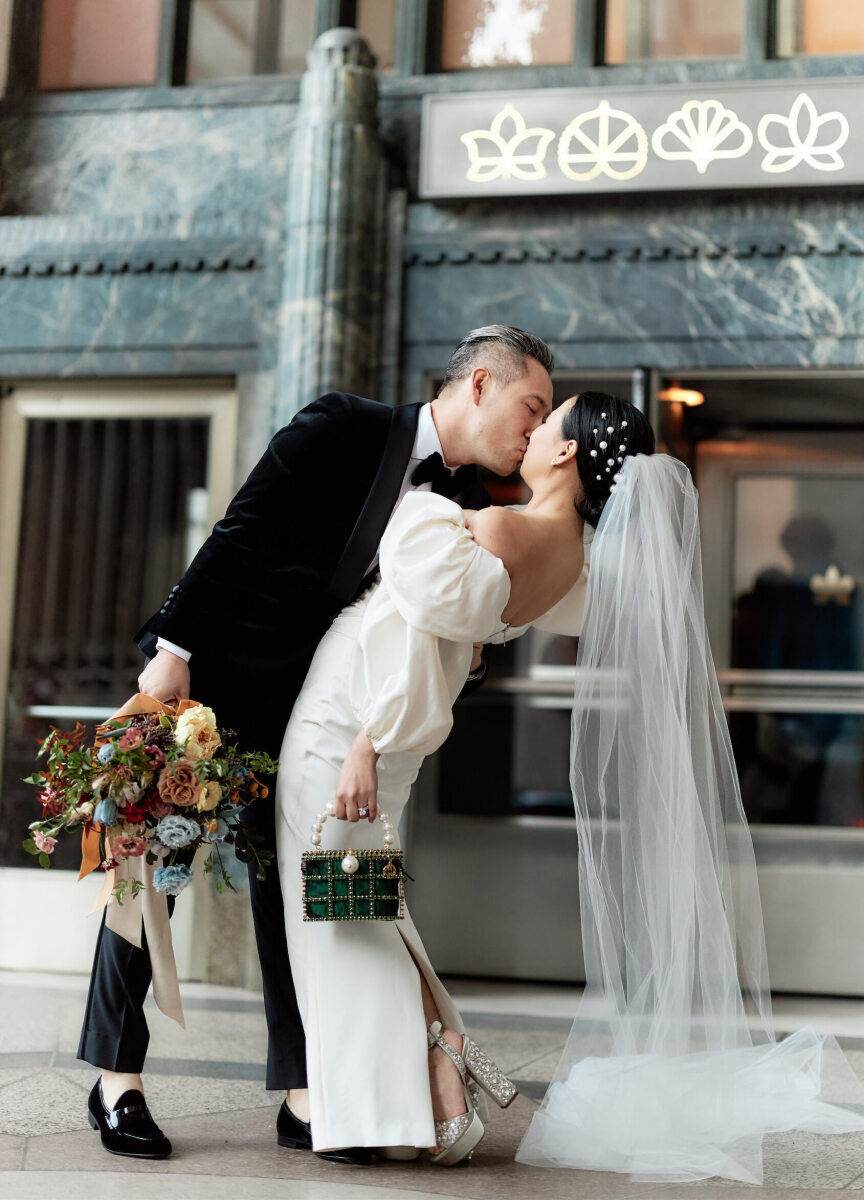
x=480, y=1067
x=456, y=1137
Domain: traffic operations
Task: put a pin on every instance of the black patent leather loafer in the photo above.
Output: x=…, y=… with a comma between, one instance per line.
x=294, y=1134
x=127, y=1128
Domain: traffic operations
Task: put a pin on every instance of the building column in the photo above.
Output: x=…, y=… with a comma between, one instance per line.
x=330, y=319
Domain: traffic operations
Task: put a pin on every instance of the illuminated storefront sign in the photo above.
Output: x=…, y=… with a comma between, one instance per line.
x=556, y=140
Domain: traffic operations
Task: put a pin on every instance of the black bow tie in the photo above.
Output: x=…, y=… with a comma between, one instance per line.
x=432, y=470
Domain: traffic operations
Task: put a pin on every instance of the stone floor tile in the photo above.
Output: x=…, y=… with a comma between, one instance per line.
x=87, y=1185
x=541, y=1068
x=511, y=1049
x=242, y=1145
x=11, y=1153
x=8, y=1076
x=43, y=1102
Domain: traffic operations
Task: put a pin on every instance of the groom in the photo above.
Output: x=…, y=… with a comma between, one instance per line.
x=299, y=541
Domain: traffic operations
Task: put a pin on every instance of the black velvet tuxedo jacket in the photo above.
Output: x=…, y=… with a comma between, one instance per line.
x=290, y=552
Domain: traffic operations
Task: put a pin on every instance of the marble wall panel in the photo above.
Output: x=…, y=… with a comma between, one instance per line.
x=112, y=312
x=230, y=161
x=735, y=281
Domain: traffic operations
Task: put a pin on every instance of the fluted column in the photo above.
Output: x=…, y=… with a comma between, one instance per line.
x=330, y=319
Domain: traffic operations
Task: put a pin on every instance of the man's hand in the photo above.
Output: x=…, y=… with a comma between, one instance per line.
x=165, y=678
x=357, y=786
x=477, y=659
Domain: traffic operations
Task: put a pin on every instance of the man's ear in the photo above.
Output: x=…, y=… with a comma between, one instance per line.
x=479, y=382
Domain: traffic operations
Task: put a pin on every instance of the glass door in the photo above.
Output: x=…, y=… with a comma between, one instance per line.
x=778, y=459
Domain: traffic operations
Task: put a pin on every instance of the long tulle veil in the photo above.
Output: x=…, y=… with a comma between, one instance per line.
x=672, y=1070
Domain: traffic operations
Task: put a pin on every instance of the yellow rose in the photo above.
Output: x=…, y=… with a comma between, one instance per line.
x=196, y=731
x=210, y=796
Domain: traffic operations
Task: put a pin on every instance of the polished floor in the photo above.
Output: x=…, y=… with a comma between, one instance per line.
x=206, y=1087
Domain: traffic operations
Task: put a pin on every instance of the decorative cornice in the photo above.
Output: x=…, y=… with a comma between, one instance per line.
x=435, y=252
x=171, y=258
x=55, y=245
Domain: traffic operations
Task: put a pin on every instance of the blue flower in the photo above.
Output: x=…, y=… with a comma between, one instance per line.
x=105, y=812
x=106, y=753
x=219, y=834
x=175, y=831
x=172, y=879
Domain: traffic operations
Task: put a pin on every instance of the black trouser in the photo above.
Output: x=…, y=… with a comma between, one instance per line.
x=115, y=1034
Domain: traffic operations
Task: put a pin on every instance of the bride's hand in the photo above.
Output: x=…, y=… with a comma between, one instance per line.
x=357, y=786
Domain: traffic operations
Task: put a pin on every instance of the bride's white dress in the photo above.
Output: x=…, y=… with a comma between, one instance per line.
x=392, y=664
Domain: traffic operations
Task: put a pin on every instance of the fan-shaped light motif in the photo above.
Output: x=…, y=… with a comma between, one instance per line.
x=800, y=138
x=704, y=130
x=606, y=140
x=507, y=148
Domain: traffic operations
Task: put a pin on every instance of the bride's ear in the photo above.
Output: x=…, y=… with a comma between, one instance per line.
x=566, y=454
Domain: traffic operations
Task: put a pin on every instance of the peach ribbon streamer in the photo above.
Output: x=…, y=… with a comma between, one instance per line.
x=148, y=911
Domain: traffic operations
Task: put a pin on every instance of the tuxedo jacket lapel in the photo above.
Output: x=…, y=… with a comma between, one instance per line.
x=366, y=534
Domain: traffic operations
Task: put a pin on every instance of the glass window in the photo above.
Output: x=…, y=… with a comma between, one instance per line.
x=232, y=39
x=819, y=27
x=98, y=43
x=507, y=33
x=376, y=20
x=222, y=39
x=297, y=33
x=640, y=29
x=5, y=27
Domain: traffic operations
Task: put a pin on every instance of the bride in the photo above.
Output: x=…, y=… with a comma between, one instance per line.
x=387, y=1059
x=671, y=1071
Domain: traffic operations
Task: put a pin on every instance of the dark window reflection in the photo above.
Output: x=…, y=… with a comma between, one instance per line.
x=802, y=767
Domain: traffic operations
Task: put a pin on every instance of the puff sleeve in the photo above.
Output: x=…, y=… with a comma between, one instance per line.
x=440, y=592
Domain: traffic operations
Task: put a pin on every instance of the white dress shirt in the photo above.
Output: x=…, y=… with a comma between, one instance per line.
x=426, y=442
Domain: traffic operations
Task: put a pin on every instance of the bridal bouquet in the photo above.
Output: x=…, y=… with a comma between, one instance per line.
x=158, y=783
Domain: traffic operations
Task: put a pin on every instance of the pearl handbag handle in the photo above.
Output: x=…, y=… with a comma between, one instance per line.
x=329, y=811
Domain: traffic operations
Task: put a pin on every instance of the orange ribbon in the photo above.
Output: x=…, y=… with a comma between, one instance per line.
x=147, y=911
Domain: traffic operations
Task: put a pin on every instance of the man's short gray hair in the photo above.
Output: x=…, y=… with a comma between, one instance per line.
x=501, y=348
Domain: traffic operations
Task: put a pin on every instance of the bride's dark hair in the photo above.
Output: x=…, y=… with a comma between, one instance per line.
x=588, y=422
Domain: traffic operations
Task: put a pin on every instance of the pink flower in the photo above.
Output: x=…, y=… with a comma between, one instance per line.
x=158, y=809
x=130, y=739
x=44, y=842
x=156, y=756
x=124, y=846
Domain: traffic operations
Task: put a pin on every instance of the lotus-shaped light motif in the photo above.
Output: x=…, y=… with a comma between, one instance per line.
x=704, y=131
x=832, y=586
x=507, y=148
x=799, y=138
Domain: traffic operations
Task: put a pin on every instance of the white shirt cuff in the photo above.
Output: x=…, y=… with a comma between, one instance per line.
x=162, y=644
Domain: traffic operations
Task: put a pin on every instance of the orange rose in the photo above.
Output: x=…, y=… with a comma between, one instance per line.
x=179, y=784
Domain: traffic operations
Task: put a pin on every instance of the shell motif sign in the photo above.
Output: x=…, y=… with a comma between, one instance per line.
x=665, y=138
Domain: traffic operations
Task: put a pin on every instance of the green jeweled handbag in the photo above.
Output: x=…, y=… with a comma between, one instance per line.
x=352, y=885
